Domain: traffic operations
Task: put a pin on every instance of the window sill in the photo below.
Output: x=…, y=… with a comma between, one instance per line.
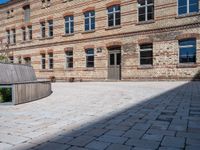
x=188, y=15
x=145, y=22
x=13, y=44
x=46, y=38
x=113, y=27
x=187, y=65
x=46, y=70
x=28, y=41
x=145, y=67
x=89, y=69
x=66, y=35
x=89, y=31
x=69, y=69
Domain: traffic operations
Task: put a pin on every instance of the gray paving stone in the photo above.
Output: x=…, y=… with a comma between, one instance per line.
x=77, y=148
x=192, y=147
x=96, y=132
x=52, y=146
x=113, y=139
x=62, y=139
x=169, y=148
x=115, y=132
x=134, y=133
x=118, y=147
x=97, y=145
x=176, y=142
x=139, y=148
x=81, y=140
x=12, y=139
x=141, y=126
x=162, y=132
x=188, y=135
x=5, y=146
x=149, y=144
x=153, y=137
x=190, y=141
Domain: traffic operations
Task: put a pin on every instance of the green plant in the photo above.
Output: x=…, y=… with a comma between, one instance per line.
x=5, y=95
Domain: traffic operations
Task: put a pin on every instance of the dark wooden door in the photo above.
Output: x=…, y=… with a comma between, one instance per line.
x=114, y=65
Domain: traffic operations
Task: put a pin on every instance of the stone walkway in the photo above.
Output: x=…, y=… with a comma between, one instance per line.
x=108, y=115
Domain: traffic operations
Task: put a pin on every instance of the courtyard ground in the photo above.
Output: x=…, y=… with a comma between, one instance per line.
x=108, y=115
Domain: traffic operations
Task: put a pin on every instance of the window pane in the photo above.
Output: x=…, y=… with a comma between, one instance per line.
x=119, y=59
x=194, y=7
x=182, y=10
x=150, y=1
x=142, y=11
x=147, y=61
x=141, y=2
x=150, y=16
x=90, y=51
x=110, y=9
x=87, y=27
x=182, y=3
x=112, y=59
x=117, y=8
x=187, y=51
x=146, y=54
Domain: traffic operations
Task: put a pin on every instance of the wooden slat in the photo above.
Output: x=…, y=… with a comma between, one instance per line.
x=12, y=73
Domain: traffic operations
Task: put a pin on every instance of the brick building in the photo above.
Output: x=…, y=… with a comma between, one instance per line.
x=104, y=39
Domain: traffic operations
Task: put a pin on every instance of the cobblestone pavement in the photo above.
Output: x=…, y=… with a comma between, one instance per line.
x=108, y=115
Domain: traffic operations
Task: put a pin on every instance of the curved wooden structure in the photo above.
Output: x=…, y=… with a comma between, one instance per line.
x=22, y=80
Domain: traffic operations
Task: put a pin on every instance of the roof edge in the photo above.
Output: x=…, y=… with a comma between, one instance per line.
x=10, y=2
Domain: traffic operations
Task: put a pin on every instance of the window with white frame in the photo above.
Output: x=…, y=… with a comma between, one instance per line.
x=26, y=13
x=43, y=61
x=30, y=32
x=69, y=59
x=145, y=10
x=187, y=50
x=69, y=24
x=188, y=6
x=42, y=29
x=146, y=54
x=13, y=36
x=50, y=24
x=89, y=57
x=50, y=61
x=114, y=15
x=89, y=20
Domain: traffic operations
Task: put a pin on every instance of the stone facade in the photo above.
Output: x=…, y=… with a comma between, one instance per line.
x=164, y=32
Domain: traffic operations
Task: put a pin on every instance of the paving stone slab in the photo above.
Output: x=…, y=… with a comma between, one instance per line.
x=176, y=142
x=97, y=145
x=81, y=140
x=118, y=147
x=112, y=139
x=143, y=143
x=52, y=146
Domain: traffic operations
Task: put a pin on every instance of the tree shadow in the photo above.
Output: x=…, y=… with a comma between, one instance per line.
x=144, y=125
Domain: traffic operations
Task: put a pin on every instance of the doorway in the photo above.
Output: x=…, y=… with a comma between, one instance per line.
x=114, y=63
